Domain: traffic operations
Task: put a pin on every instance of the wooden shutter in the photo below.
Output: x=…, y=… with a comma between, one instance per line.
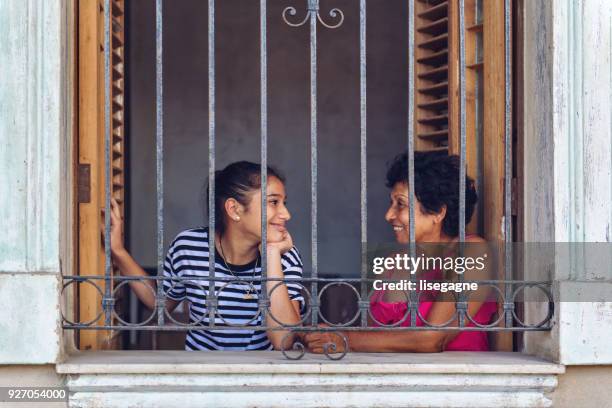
x=434, y=61
x=91, y=181
x=437, y=113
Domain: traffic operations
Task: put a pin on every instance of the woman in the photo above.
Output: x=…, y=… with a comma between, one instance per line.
x=436, y=221
x=237, y=243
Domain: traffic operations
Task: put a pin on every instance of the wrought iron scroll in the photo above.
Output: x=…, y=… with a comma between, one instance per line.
x=313, y=12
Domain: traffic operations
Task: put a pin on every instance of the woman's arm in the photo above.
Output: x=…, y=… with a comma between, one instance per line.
x=379, y=342
x=145, y=289
x=426, y=341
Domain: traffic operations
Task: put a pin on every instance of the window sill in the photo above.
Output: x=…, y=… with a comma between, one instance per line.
x=181, y=362
x=247, y=379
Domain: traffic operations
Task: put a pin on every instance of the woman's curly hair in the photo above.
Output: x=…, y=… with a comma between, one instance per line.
x=436, y=185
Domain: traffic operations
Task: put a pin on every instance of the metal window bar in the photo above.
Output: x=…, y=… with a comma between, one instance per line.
x=211, y=298
x=508, y=303
x=159, y=142
x=263, y=26
x=363, y=111
x=461, y=303
x=412, y=300
x=512, y=287
x=107, y=301
x=313, y=7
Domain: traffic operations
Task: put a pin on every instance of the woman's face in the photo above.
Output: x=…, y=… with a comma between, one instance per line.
x=427, y=227
x=277, y=212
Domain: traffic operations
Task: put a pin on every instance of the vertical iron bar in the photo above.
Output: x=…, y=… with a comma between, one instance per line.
x=364, y=159
x=264, y=152
x=107, y=302
x=313, y=162
x=159, y=145
x=508, y=307
x=211, y=298
x=461, y=309
x=411, y=192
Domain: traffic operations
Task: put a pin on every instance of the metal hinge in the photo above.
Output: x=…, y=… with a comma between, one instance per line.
x=84, y=183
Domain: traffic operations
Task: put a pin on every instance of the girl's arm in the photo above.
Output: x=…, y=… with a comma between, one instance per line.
x=285, y=310
x=145, y=289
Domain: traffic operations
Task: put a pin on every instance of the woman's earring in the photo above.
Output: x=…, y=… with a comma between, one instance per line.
x=237, y=218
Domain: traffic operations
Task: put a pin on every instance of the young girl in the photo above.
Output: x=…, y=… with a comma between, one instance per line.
x=237, y=243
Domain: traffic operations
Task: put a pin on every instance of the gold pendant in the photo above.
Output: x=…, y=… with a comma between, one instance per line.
x=248, y=296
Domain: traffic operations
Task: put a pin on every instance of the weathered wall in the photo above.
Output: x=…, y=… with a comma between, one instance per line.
x=31, y=376
x=568, y=167
x=584, y=386
x=186, y=117
x=31, y=137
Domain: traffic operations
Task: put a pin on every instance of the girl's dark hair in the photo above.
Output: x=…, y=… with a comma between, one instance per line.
x=236, y=181
x=436, y=185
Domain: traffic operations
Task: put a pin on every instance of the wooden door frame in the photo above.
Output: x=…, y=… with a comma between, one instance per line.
x=90, y=164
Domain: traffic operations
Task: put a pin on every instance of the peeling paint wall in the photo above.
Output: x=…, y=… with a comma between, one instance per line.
x=568, y=164
x=584, y=386
x=31, y=376
x=31, y=123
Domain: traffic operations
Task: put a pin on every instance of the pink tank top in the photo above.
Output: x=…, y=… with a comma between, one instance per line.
x=392, y=312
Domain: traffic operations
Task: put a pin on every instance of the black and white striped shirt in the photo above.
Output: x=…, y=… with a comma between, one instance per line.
x=188, y=258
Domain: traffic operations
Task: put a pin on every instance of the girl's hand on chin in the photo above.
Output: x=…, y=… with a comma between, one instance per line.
x=282, y=246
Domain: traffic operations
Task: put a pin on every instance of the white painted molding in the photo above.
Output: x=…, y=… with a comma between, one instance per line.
x=568, y=165
x=31, y=131
x=582, y=77
x=32, y=134
x=582, y=54
x=273, y=362
x=235, y=379
x=29, y=318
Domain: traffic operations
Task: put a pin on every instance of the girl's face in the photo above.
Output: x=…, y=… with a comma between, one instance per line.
x=277, y=213
x=427, y=227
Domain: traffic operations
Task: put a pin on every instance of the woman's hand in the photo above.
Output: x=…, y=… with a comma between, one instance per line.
x=317, y=341
x=282, y=246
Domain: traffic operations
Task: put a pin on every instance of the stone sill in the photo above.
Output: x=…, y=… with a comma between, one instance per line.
x=273, y=362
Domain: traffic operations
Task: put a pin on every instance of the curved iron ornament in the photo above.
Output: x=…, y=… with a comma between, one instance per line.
x=76, y=280
x=296, y=346
x=331, y=349
x=357, y=298
x=551, y=305
x=313, y=12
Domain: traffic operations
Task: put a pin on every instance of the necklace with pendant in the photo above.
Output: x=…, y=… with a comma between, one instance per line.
x=249, y=294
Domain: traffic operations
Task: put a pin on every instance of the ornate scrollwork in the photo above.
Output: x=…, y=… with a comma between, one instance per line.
x=296, y=346
x=292, y=12
x=313, y=12
x=334, y=13
x=334, y=343
x=331, y=349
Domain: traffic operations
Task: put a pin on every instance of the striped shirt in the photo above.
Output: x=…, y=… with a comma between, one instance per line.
x=187, y=258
